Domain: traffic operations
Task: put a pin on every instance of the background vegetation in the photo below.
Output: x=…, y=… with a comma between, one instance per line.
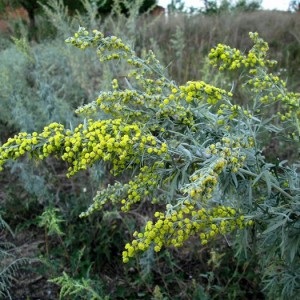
x=43, y=80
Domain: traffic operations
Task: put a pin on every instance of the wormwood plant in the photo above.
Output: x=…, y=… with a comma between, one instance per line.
x=191, y=152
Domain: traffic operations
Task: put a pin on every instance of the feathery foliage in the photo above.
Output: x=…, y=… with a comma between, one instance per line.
x=190, y=149
x=9, y=263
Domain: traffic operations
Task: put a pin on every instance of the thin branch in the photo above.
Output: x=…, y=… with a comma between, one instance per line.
x=279, y=189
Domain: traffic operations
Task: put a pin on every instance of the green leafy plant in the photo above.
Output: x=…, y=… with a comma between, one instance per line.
x=81, y=288
x=9, y=263
x=191, y=152
x=51, y=223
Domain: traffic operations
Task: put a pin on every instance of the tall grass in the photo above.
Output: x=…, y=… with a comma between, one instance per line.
x=204, y=32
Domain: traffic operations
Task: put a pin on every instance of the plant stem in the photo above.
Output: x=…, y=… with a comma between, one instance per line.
x=279, y=189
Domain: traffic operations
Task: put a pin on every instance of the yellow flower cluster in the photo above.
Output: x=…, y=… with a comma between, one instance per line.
x=37, y=145
x=186, y=219
x=267, y=86
x=231, y=58
x=108, y=48
x=111, y=47
x=289, y=102
x=110, y=194
x=82, y=39
x=115, y=84
x=290, y=107
x=204, y=181
x=142, y=186
x=199, y=90
x=264, y=82
x=174, y=228
x=229, y=150
x=139, y=107
x=120, y=103
x=152, y=87
x=108, y=140
x=148, y=73
x=177, y=113
x=144, y=100
x=228, y=111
